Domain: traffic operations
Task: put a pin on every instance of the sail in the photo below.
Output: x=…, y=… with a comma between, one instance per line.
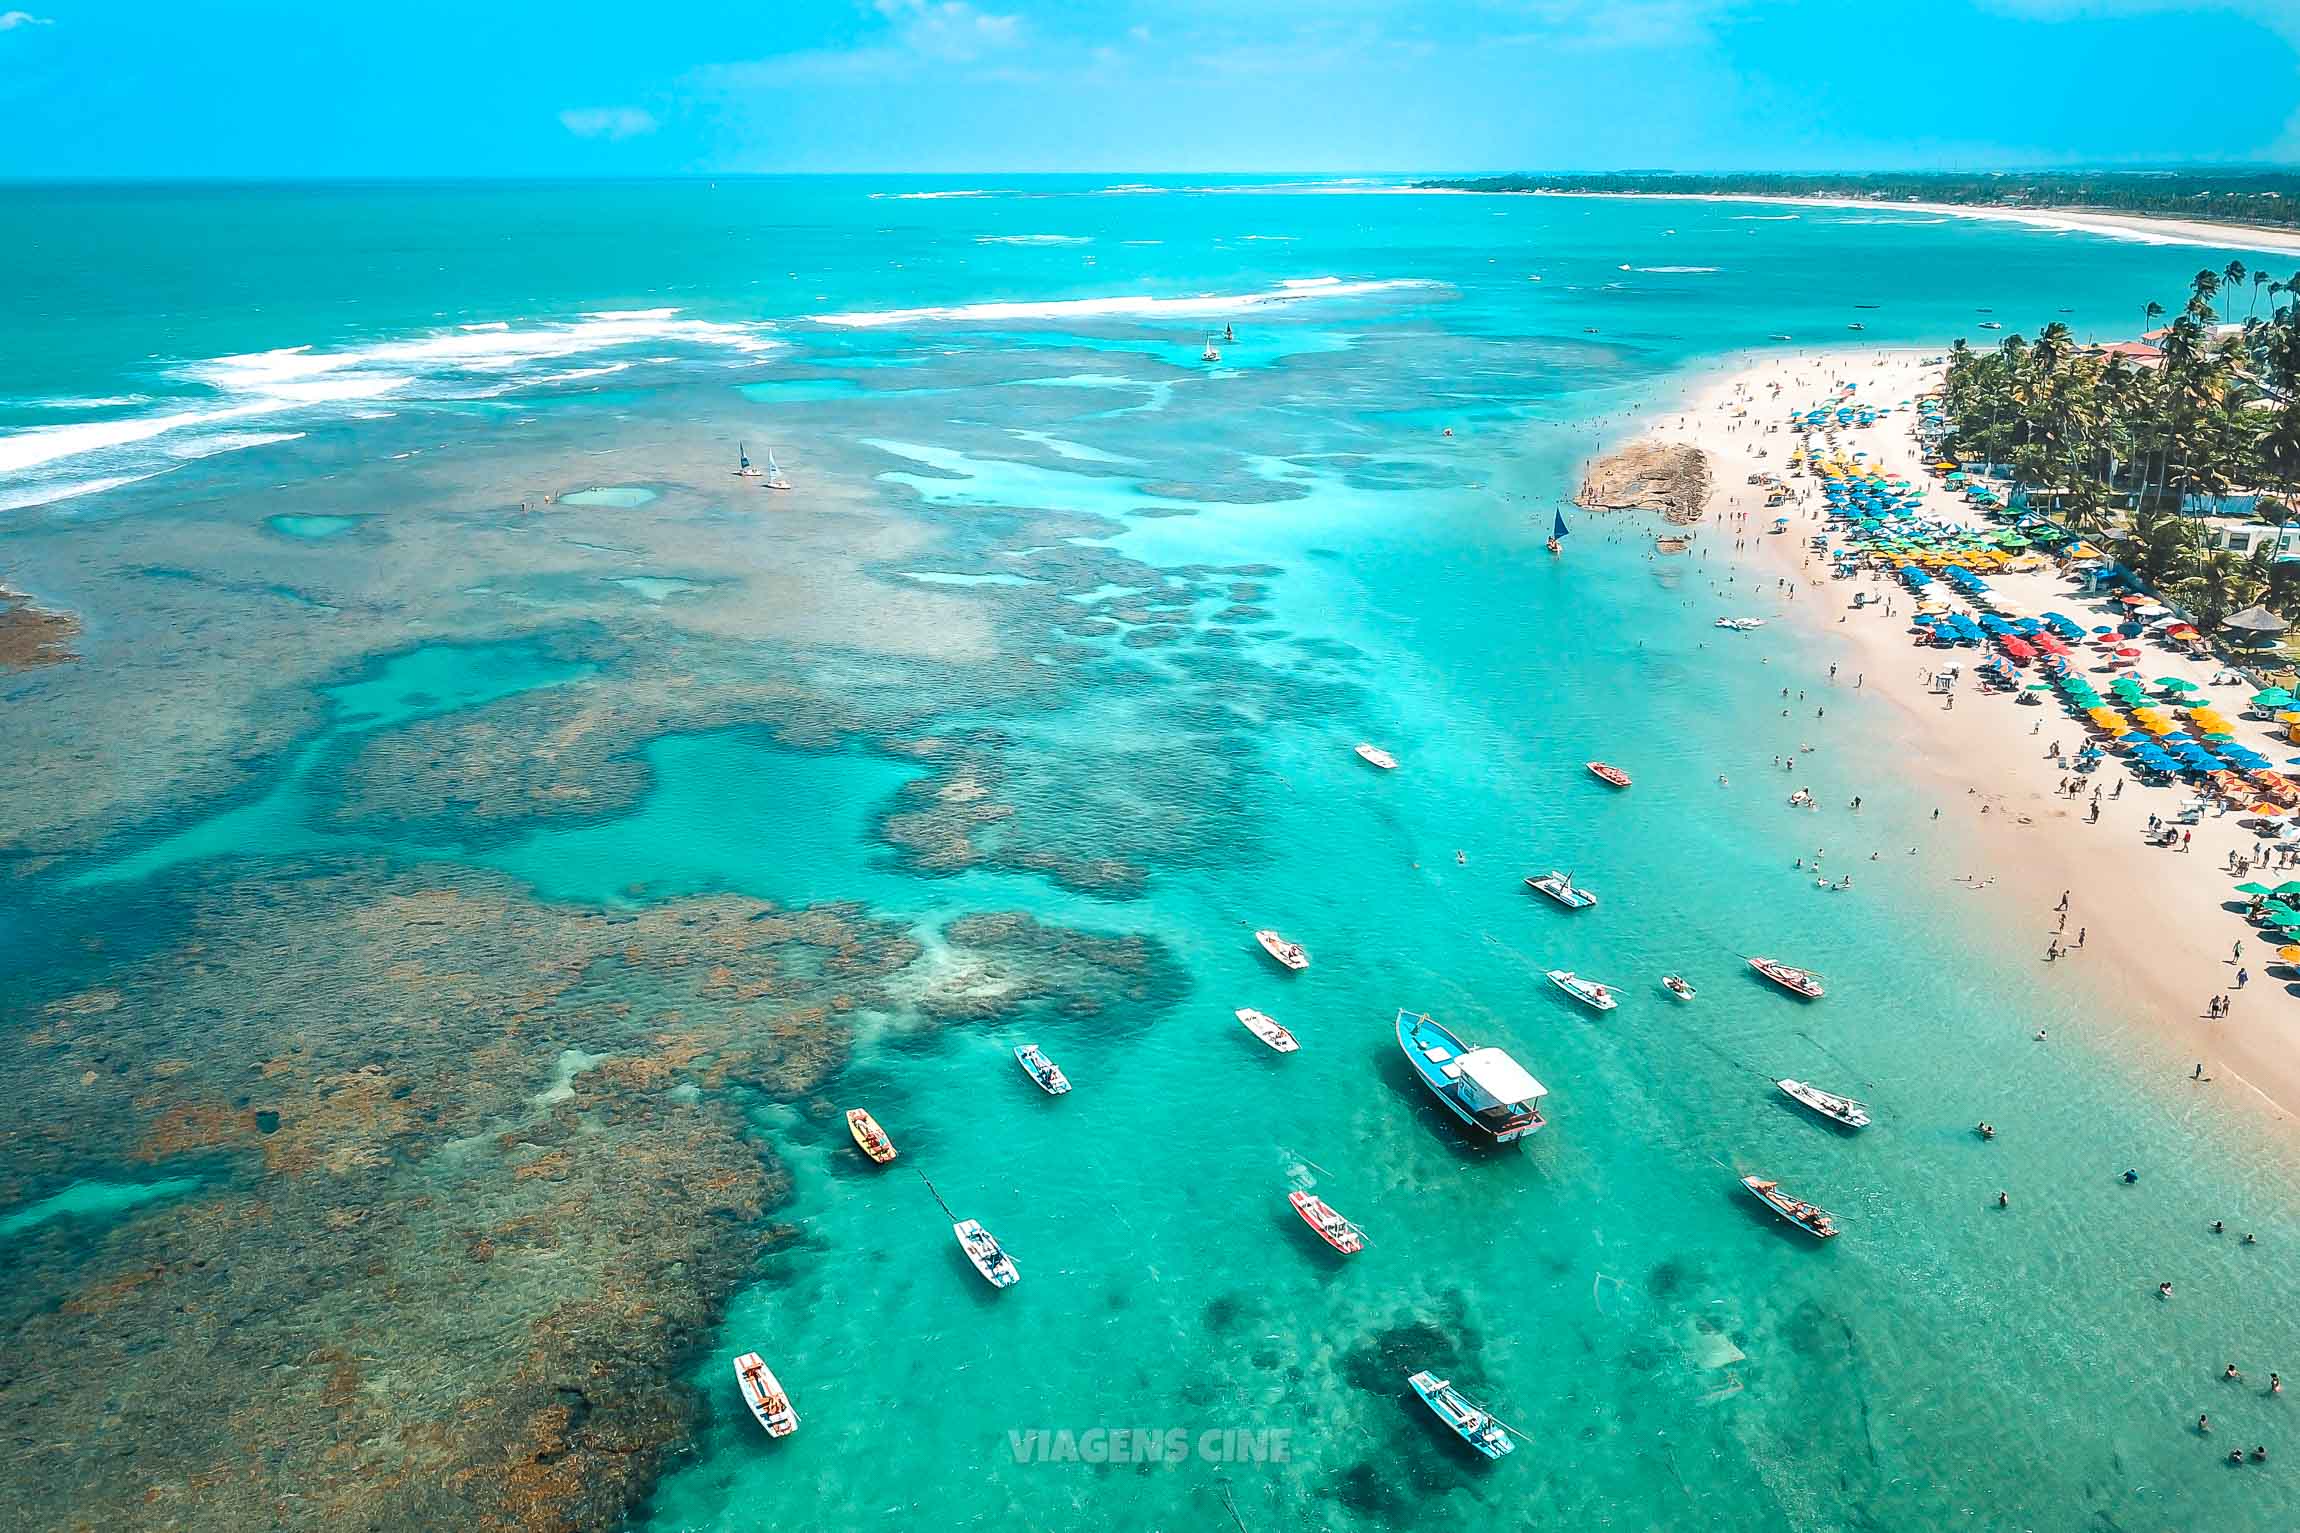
x=743, y=454
x=1559, y=530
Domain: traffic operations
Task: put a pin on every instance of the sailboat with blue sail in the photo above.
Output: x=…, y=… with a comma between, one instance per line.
x=1557, y=532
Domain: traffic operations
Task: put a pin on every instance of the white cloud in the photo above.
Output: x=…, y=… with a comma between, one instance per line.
x=11, y=20
x=608, y=122
x=949, y=29
x=915, y=34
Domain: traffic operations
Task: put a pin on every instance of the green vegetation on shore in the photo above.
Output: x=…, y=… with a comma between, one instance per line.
x=2126, y=442
x=2267, y=198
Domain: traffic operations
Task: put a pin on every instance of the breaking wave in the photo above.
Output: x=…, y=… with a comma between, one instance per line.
x=1201, y=305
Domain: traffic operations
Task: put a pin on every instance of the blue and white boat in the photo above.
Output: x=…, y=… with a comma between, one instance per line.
x=1475, y=1425
x=1484, y=1088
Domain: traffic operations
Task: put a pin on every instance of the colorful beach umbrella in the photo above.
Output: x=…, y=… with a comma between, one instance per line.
x=2254, y=889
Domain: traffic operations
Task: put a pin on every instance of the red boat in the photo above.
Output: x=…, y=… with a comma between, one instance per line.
x=1335, y=1230
x=1798, y=982
x=1609, y=774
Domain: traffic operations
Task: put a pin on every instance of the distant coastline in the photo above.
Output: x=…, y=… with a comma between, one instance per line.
x=2166, y=225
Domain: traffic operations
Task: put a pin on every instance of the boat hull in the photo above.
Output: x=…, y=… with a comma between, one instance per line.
x=1611, y=776
x=1290, y=955
x=1472, y=1425
x=1342, y=1235
x=1797, y=982
x=1416, y=1036
x=1600, y=1000
x=869, y=1137
x=769, y=1405
x=1268, y=1030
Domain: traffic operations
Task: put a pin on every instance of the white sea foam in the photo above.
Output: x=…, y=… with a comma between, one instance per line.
x=1294, y=290
x=1766, y=218
x=1032, y=239
x=191, y=447
x=55, y=490
x=1677, y=270
x=469, y=361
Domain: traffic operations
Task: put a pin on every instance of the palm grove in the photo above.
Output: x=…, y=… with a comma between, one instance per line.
x=2120, y=444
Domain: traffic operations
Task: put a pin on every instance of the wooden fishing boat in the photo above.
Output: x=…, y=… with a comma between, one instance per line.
x=765, y=1396
x=1472, y=1424
x=989, y=1257
x=1605, y=773
x=1561, y=888
x=1588, y=992
x=1837, y=1109
x=869, y=1137
x=1267, y=1029
x=1803, y=983
x=1374, y=755
x=1292, y=954
x=1813, y=1221
x=1044, y=1071
x=1332, y=1228
x=1484, y=1088
x=1677, y=987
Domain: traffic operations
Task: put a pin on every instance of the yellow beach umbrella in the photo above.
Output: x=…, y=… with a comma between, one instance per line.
x=2289, y=954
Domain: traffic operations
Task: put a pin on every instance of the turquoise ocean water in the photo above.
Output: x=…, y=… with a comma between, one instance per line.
x=1673, y=1357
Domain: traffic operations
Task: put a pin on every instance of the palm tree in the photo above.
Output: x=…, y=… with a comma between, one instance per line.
x=2233, y=277
x=2150, y=315
x=2259, y=281
x=2200, y=294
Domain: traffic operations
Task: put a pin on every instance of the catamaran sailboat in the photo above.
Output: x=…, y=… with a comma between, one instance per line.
x=1561, y=888
x=1212, y=353
x=1557, y=532
x=775, y=477
x=743, y=469
x=1484, y=1088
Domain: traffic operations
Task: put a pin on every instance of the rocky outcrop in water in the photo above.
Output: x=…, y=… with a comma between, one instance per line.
x=30, y=635
x=1669, y=477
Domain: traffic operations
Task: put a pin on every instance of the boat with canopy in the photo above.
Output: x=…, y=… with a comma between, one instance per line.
x=1484, y=1087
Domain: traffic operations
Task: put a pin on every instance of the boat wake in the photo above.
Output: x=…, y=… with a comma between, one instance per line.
x=1131, y=306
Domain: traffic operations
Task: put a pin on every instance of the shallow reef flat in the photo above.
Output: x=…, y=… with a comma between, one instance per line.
x=472, y=1172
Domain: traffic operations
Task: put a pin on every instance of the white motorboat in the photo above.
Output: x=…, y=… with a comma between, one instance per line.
x=1561, y=888
x=1837, y=1109
x=989, y=1257
x=764, y=1394
x=1267, y=1029
x=1292, y=954
x=1588, y=992
x=1044, y=1071
x=1374, y=755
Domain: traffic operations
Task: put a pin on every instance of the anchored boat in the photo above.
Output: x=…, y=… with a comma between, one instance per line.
x=869, y=1137
x=1374, y=755
x=1677, y=987
x=989, y=1257
x=1292, y=954
x=1332, y=1228
x=1837, y=1109
x=1471, y=1423
x=1267, y=1029
x=1588, y=992
x=1484, y=1088
x=1561, y=888
x=1812, y=1220
x=1605, y=773
x=765, y=1396
x=1803, y=983
x=1039, y=1068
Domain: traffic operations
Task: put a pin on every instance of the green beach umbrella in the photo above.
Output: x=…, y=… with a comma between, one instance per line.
x=2254, y=889
x=2176, y=684
x=2286, y=890
x=2274, y=697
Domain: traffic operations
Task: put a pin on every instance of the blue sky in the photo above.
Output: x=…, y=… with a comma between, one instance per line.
x=597, y=87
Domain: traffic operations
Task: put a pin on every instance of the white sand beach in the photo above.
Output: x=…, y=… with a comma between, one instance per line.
x=2158, y=938
x=2138, y=227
